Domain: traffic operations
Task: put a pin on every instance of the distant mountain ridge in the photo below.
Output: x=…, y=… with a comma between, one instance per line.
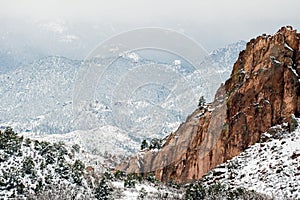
x=37, y=97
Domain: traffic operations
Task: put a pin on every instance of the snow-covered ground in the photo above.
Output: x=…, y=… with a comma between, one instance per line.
x=29, y=166
x=271, y=167
x=100, y=148
x=147, y=189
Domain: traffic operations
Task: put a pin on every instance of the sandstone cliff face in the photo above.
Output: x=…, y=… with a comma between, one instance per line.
x=263, y=91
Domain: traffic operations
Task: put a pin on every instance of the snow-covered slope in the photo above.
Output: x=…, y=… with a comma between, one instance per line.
x=145, y=190
x=101, y=148
x=271, y=167
x=226, y=56
x=109, y=137
x=32, y=169
x=29, y=167
x=38, y=97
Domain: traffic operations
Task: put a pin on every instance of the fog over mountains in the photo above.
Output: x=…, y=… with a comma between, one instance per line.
x=37, y=97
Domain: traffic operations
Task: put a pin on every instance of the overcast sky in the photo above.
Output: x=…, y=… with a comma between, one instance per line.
x=213, y=23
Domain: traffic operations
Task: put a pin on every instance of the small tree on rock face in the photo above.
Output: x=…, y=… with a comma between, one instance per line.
x=155, y=144
x=201, y=101
x=144, y=145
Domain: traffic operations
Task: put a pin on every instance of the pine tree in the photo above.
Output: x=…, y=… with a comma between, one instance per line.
x=155, y=144
x=103, y=191
x=130, y=181
x=144, y=145
x=77, y=171
x=10, y=142
x=142, y=194
x=28, y=166
x=201, y=101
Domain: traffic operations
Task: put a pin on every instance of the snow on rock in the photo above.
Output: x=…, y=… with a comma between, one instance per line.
x=271, y=168
x=288, y=47
x=293, y=70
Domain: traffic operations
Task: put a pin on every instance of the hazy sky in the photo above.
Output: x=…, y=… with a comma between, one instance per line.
x=213, y=23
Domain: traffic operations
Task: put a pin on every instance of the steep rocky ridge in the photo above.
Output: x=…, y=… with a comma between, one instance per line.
x=263, y=91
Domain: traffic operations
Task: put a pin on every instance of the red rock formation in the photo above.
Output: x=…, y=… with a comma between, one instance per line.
x=263, y=91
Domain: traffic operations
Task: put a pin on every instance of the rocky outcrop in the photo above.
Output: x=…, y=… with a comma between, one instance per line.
x=263, y=91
